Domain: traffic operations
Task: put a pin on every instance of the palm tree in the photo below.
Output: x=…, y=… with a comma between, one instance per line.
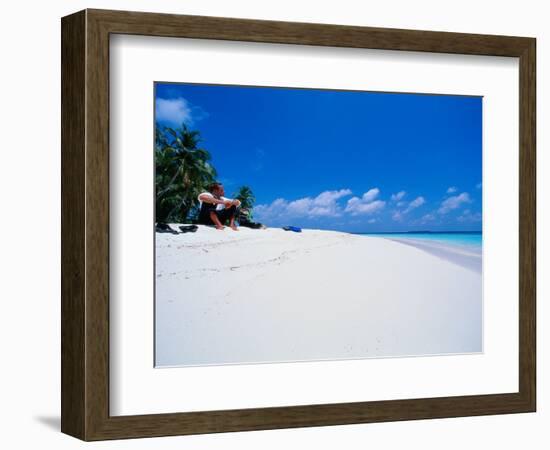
x=183, y=170
x=247, y=199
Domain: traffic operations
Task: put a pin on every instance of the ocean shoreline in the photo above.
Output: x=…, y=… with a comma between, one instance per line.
x=456, y=254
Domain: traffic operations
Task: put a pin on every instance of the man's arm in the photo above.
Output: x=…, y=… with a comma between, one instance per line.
x=209, y=198
x=231, y=201
x=228, y=202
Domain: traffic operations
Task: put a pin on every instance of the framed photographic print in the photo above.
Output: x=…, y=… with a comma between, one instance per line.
x=273, y=225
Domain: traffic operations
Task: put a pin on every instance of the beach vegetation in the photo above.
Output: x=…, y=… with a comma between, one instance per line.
x=245, y=195
x=183, y=169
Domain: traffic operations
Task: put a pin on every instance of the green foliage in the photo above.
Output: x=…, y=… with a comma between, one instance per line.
x=182, y=171
x=247, y=199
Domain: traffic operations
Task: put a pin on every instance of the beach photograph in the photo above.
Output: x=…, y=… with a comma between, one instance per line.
x=299, y=224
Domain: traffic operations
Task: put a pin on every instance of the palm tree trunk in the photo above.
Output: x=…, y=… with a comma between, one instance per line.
x=179, y=205
x=171, y=183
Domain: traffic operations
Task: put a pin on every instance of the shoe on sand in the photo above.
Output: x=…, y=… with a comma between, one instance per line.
x=164, y=228
x=188, y=228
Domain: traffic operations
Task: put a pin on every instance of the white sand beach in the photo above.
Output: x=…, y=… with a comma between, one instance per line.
x=253, y=296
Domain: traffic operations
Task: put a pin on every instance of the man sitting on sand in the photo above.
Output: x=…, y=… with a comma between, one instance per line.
x=215, y=209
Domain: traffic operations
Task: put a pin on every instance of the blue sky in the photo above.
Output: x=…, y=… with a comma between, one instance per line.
x=343, y=160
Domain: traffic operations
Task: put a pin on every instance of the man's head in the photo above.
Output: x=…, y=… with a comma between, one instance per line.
x=216, y=189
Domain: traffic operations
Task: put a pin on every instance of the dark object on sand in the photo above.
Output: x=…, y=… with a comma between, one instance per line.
x=295, y=229
x=253, y=225
x=188, y=228
x=164, y=228
x=244, y=220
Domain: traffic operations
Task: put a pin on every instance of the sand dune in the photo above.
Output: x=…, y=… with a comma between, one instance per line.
x=225, y=297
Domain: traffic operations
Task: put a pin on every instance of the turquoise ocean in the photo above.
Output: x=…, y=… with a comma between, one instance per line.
x=473, y=239
x=462, y=248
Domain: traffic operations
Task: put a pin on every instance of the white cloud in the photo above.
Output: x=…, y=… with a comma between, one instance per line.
x=176, y=111
x=370, y=195
x=356, y=207
x=398, y=196
x=329, y=197
x=300, y=207
x=469, y=216
x=418, y=201
x=452, y=190
x=275, y=209
x=323, y=205
x=372, y=221
x=367, y=204
x=397, y=216
x=427, y=218
x=454, y=202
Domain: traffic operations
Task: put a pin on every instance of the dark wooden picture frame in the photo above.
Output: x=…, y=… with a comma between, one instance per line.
x=85, y=224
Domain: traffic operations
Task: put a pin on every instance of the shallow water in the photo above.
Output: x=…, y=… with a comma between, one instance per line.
x=463, y=249
x=472, y=239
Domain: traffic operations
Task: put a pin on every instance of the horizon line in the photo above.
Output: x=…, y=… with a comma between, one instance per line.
x=418, y=232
